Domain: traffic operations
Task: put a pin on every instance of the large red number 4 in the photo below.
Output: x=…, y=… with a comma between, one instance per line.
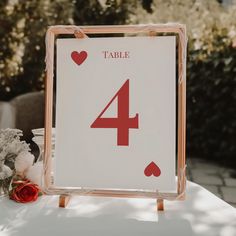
x=122, y=122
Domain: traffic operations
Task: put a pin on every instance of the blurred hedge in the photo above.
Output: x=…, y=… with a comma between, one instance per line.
x=211, y=102
x=211, y=75
x=22, y=32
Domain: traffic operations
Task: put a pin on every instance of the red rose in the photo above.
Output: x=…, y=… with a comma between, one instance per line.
x=24, y=191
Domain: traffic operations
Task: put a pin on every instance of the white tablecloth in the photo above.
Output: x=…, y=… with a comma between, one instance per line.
x=202, y=213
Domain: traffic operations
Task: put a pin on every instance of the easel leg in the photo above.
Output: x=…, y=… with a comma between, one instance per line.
x=160, y=205
x=64, y=200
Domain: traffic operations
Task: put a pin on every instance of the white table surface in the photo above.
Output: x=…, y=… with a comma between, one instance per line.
x=202, y=213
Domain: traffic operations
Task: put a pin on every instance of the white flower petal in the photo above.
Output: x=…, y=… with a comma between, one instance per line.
x=35, y=173
x=6, y=172
x=24, y=161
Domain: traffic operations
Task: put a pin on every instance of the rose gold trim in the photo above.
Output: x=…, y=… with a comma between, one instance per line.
x=181, y=120
x=160, y=205
x=64, y=200
x=48, y=112
x=162, y=28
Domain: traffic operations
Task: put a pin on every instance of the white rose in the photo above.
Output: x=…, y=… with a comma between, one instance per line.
x=23, y=162
x=6, y=172
x=35, y=173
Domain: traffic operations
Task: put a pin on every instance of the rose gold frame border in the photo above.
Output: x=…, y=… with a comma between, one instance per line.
x=178, y=29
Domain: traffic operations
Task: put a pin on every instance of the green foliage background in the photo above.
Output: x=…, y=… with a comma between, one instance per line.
x=23, y=26
x=211, y=68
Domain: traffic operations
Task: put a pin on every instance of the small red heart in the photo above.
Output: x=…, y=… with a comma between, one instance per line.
x=152, y=169
x=79, y=57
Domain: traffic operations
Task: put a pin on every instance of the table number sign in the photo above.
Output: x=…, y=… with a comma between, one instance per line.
x=116, y=112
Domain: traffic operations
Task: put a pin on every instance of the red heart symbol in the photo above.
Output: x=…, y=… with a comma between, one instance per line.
x=79, y=58
x=152, y=169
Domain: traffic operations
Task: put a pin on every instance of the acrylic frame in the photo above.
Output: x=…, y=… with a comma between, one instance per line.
x=151, y=31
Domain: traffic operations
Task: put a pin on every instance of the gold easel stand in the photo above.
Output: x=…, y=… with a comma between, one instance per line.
x=64, y=200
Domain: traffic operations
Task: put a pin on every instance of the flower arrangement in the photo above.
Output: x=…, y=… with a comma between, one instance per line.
x=16, y=164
